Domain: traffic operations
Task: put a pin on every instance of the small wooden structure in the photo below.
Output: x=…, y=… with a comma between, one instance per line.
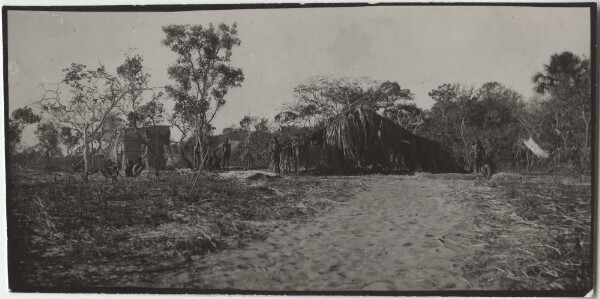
x=148, y=144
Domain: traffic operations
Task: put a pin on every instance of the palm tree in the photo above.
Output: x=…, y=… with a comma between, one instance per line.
x=565, y=69
x=567, y=79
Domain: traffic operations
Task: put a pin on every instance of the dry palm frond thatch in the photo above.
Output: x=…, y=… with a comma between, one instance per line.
x=362, y=139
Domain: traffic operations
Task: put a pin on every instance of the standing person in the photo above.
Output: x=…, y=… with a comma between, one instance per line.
x=216, y=162
x=478, y=156
x=247, y=159
x=275, y=151
x=226, y=153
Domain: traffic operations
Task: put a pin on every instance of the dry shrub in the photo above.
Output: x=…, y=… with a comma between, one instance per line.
x=65, y=232
x=538, y=231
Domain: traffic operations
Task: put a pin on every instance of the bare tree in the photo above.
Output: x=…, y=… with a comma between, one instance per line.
x=90, y=98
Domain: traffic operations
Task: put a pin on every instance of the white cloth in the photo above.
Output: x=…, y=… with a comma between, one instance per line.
x=535, y=148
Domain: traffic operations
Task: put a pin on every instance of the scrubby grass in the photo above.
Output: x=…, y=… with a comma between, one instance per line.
x=537, y=229
x=64, y=232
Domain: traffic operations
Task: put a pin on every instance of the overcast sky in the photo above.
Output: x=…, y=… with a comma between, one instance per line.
x=419, y=47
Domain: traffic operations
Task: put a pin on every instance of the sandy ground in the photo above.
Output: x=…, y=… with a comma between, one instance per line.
x=404, y=233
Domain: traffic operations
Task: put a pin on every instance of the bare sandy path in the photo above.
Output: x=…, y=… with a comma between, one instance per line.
x=401, y=234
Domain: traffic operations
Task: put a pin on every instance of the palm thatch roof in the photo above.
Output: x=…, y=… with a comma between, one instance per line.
x=362, y=139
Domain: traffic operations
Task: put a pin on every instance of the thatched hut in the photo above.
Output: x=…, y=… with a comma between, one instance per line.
x=361, y=139
x=147, y=143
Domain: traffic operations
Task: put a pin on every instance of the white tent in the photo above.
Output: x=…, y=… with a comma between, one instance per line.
x=535, y=148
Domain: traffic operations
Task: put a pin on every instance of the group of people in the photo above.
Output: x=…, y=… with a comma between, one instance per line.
x=217, y=163
x=482, y=161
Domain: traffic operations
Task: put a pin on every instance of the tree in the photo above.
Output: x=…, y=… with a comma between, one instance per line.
x=149, y=114
x=202, y=76
x=446, y=121
x=462, y=115
x=16, y=123
x=495, y=118
x=92, y=100
x=48, y=137
x=566, y=111
x=69, y=139
x=322, y=97
x=138, y=112
x=253, y=123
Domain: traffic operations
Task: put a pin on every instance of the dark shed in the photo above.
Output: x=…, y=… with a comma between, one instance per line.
x=147, y=143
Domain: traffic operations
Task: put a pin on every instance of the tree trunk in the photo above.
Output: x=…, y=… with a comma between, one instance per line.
x=198, y=152
x=585, y=152
x=201, y=147
x=85, y=155
x=183, y=157
x=156, y=154
x=587, y=128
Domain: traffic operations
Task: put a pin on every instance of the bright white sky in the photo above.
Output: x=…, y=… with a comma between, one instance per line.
x=419, y=47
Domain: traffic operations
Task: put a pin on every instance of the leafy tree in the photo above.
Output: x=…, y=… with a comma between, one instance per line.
x=202, y=76
x=322, y=97
x=16, y=123
x=234, y=132
x=256, y=136
x=462, y=115
x=495, y=118
x=90, y=104
x=256, y=127
x=138, y=112
x=253, y=123
x=149, y=114
x=446, y=121
x=48, y=137
x=565, y=116
x=69, y=139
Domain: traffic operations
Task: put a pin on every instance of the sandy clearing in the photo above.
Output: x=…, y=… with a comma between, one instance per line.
x=404, y=233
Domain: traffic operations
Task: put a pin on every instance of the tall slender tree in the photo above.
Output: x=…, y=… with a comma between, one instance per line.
x=202, y=76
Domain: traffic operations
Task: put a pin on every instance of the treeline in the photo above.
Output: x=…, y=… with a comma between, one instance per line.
x=558, y=119
x=85, y=113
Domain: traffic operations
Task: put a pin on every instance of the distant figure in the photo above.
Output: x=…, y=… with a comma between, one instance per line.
x=226, y=153
x=478, y=156
x=275, y=152
x=216, y=161
x=488, y=168
x=246, y=159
